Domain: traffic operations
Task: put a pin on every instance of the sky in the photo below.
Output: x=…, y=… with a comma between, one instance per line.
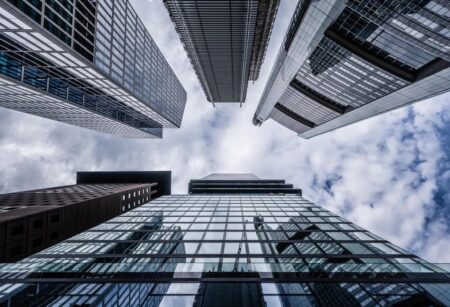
x=388, y=174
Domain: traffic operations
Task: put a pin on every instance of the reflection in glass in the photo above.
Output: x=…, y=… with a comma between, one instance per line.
x=298, y=248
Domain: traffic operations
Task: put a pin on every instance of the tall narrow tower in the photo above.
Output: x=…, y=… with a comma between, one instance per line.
x=226, y=42
x=91, y=64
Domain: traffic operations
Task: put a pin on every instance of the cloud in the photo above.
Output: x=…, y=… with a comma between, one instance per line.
x=387, y=174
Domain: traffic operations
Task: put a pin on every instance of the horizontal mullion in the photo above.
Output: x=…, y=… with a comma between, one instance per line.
x=243, y=255
x=221, y=241
x=214, y=230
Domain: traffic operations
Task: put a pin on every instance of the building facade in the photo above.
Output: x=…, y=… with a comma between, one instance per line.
x=31, y=221
x=345, y=61
x=226, y=42
x=88, y=63
x=225, y=245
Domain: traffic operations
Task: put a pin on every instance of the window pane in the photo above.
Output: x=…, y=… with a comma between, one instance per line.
x=214, y=235
x=210, y=248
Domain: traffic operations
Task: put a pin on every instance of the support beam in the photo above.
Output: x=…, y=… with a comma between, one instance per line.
x=294, y=115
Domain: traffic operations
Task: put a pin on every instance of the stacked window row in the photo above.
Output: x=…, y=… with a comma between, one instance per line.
x=126, y=52
x=71, y=21
x=268, y=294
x=291, y=227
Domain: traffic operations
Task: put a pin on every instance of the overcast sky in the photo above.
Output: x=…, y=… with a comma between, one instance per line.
x=389, y=174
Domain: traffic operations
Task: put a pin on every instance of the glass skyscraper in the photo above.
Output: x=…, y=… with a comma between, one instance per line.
x=88, y=63
x=226, y=42
x=345, y=61
x=234, y=240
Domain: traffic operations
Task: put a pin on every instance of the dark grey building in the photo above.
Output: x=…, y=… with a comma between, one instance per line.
x=88, y=63
x=345, y=61
x=31, y=221
x=234, y=240
x=225, y=40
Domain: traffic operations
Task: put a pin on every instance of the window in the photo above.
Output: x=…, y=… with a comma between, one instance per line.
x=231, y=248
x=356, y=248
x=255, y=248
x=214, y=235
x=36, y=242
x=38, y=223
x=210, y=248
x=54, y=218
x=17, y=230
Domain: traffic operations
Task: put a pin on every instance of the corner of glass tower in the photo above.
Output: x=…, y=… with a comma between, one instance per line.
x=226, y=42
x=91, y=64
x=345, y=61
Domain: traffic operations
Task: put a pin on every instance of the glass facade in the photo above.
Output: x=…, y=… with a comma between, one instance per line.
x=356, y=59
x=225, y=41
x=127, y=53
x=31, y=221
x=93, y=62
x=226, y=249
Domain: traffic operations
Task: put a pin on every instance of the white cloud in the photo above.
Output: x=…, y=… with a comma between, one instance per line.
x=373, y=165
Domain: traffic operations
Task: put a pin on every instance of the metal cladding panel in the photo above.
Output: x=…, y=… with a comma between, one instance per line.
x=225, y=42
x=288, y=121
x=266, y=18
x=307, y=107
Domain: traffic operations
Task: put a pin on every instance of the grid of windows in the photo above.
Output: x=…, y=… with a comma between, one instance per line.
x=37, y=72
x=225, y=41
x=308, y=107
x=71, y=21
x=285, y=119
x=126, y=52
x=231, y=219
x=368, y=56
x=187, y=239
x=145, y=98
x=91, y=115
x=407, y=32
x=346, y=78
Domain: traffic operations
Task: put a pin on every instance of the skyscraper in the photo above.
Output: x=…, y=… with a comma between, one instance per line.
x=31, y=221
x=226, y=42
x=88, y=63
x=234, y=240
x=345, y=61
